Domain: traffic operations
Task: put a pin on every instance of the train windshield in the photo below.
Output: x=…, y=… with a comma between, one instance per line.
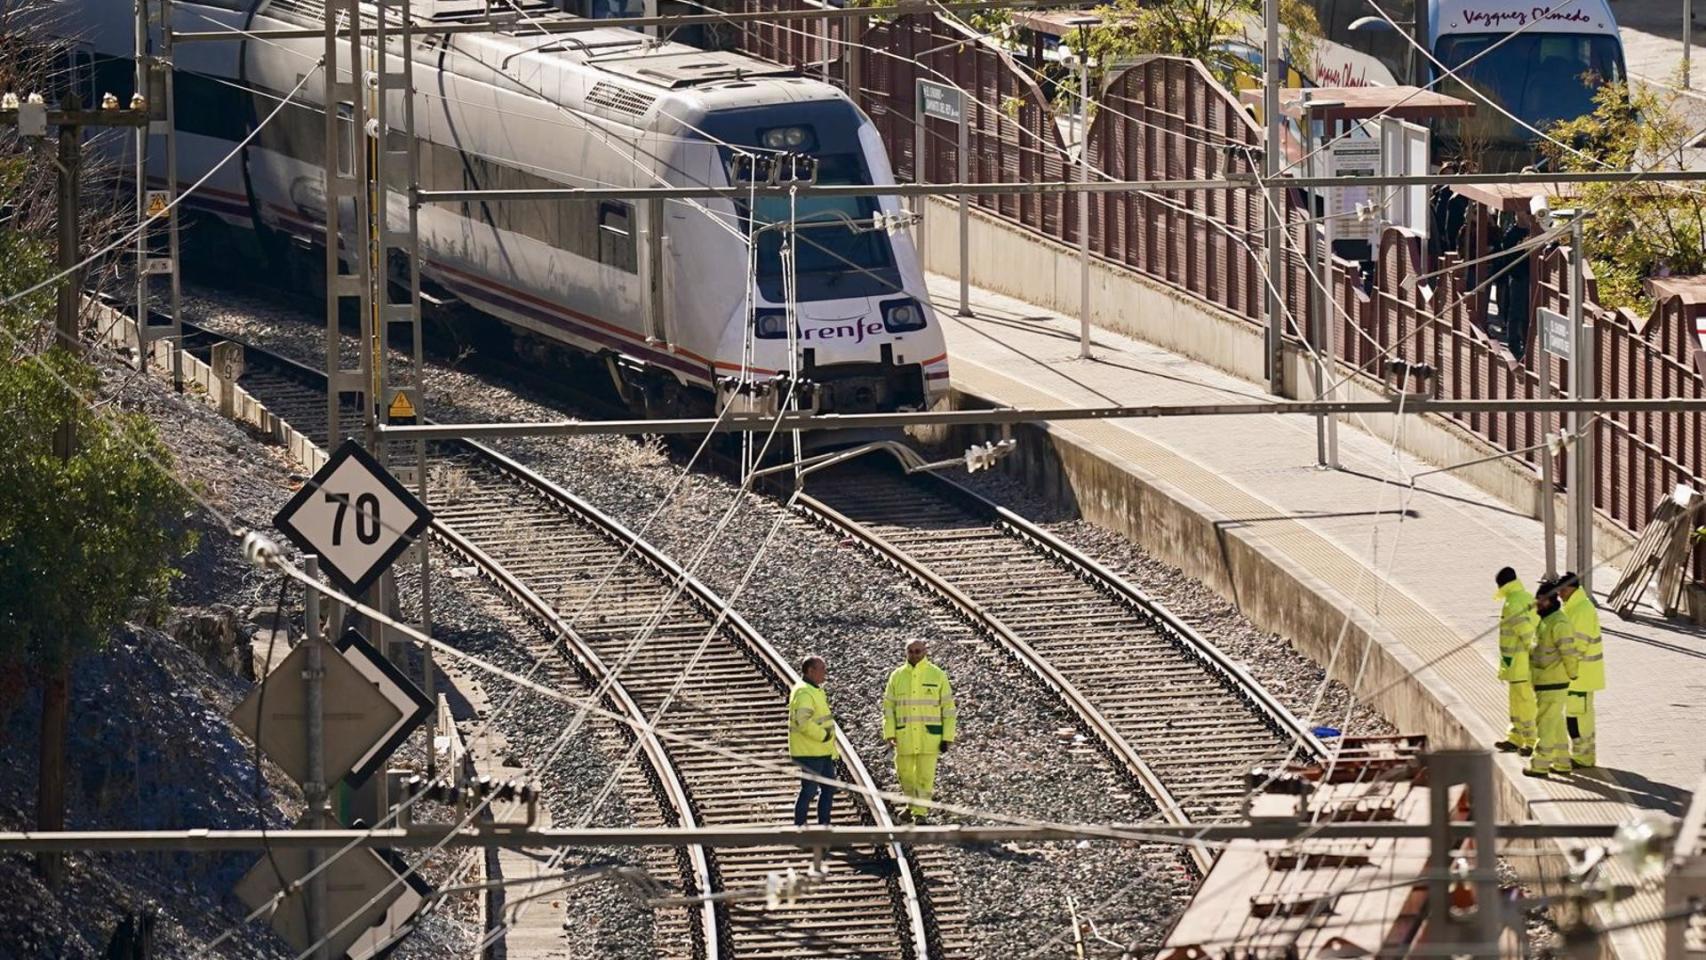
x=1541, y=78
x=838, y=255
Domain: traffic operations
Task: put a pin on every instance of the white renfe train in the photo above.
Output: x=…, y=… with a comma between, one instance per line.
x=656, y=288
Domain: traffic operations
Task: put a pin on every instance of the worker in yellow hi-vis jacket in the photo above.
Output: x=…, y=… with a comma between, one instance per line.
x=1553, y=665
x=811, y=742
x=918, y=723
x=1590, y=646
x=1517, y=622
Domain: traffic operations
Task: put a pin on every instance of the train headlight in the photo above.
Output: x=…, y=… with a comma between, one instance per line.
x=770, y=324
x=787, y=138
x=899, y=316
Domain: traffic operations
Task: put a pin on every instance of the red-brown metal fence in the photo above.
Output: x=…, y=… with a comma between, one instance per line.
x=1167, y=118
x=1012, y=136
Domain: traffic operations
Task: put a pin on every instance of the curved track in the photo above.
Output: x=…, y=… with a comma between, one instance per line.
x=704, y=673
x=1182, y=718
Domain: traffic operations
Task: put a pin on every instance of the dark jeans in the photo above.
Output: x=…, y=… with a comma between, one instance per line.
x=825, y=794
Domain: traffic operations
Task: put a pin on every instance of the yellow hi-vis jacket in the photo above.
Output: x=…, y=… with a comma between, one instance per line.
x=1584, y=617
x=1553, y=661
x=811, y=729
x=1517, y=621
x=918, y=708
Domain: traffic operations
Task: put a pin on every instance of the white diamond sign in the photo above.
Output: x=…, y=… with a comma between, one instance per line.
x=355, y=516
x=411, y=704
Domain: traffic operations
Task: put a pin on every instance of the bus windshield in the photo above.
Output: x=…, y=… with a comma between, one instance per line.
x=1540, y=78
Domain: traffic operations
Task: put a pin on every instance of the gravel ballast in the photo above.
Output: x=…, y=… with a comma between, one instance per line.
x=812, y=593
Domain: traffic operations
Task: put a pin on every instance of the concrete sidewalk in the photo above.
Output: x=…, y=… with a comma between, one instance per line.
x=1413, y=567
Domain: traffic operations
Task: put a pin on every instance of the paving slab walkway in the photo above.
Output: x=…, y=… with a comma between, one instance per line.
x=1418, y=562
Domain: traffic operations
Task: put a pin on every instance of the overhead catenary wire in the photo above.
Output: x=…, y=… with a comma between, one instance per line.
x=371, y=612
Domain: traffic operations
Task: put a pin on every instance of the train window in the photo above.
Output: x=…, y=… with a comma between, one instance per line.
x=616, y=235
x=208, y=107
x=346, y=122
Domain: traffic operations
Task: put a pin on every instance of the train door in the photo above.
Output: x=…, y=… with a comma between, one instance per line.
x=654, y=273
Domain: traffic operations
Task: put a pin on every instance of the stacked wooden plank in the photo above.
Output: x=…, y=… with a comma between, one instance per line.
x=1663, y=550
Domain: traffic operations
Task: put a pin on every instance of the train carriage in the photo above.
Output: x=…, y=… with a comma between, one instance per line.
x=656, y=288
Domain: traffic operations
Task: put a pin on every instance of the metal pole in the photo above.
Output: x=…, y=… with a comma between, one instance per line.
x=1314, y=258
x=1548, y=497
x=1329, y=326
x=965, y=210
x=1274, y=211
x=172, y=197
x=1483, y=809
x=920, y=204
x=1083, y=198
x=1583, y=425
x=765, y=423
x=140, y=169
x=1687, y=43
x=1231, y=182
x=314, y=791
x=70, y=209
x=335, y=181
x=1572, y=421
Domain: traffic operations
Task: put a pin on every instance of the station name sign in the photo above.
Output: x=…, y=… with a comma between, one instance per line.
x=940, y=101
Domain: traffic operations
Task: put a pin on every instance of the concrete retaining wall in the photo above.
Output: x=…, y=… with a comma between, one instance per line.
x=118, y=333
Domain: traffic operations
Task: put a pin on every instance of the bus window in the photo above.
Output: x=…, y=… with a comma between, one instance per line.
x=1541, y=78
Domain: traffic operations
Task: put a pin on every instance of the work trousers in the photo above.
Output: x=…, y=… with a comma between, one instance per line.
x=825, y=794
x=917, y=775
x=1578, y=715
x=1552, y=752
x=1523, y=731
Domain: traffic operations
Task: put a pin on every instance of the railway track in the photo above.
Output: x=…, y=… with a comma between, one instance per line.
x=1184, y=720
x=547, y=551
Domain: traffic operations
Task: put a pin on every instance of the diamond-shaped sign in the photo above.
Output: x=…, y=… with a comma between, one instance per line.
x=412, y=705
x=357, y=877
x=355, y=713
x=355, y=516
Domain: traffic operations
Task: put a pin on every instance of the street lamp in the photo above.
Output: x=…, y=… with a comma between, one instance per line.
x=1081, y=59
x=1417, y=59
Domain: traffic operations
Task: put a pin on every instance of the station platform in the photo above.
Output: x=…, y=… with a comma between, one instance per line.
x=1392, y=584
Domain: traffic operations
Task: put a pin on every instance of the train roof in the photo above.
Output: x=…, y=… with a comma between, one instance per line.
x=640, y=69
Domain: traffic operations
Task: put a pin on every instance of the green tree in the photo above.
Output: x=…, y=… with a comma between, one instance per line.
x=90, y=521
x=1199, y=30
x=1639, y=228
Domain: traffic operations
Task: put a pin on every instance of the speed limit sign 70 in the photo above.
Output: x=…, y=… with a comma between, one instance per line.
x=355, y=516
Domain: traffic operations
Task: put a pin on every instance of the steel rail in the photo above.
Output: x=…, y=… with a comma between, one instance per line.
x=716, y=929
x=665, y=777
x=1209, y=658
x=781, y=672
x=1039, y=665
x=576, y=648
x=1163, y=620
